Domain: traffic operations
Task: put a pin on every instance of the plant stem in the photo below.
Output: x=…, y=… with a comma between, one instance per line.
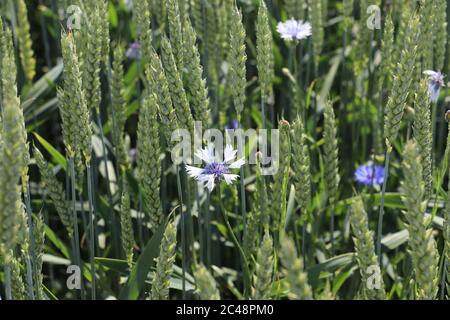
x=242, y=183
x=208, y=229
x=76, y=235
x=183, y=234
x=92, y=232
x=247, y=279
x=8, y=294
x=380, y=216
x=31, y=273
x=444, y=273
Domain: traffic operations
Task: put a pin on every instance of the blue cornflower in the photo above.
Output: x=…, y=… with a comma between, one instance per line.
x=215, y=170
x=233, y=125
x=370, y=175
x=294, y=30
x=134, y=51
x=435, y=82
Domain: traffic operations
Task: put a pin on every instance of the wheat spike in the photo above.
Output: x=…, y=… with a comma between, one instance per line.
x=262, y=279
x=206, y=285
x=264, y=55
x=164, y=263
x=423, y=133
x=402, y=82
x=126, y=224
x=296, y=277
x=178, y=94
x=365, y=250
x=149, y=166
x=195, y=83
x=301, y=166
x=421, y=242
x=238, y=59
x=25, y=44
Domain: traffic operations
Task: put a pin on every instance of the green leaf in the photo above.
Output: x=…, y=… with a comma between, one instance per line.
x=330, y=265
x=48, y=293
x=41, y=86
x=57, y=242
x=56, y=155
x=140, y=271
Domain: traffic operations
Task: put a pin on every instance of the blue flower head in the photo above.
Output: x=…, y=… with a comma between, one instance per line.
x=435, y=82
x=233, y=125
x=370, y=175
x=134, y=51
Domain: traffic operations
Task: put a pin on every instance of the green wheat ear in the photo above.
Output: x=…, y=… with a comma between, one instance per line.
x=17, y=284
x=141, y=19
x=421, y=243
x=25, y=43
x=148, y=161
x=126, y=224
x=118, y=106
x=331, y=154
x=13, y=150
x=401, y=83
x=317, y=24
x=426, y=15
x=301, y=165
x=365, y=250
x=74, y=111
x=195, y=83
x=55, y=190
x=237, y=59
x=164, y=263
x=297, y=278
x=279, y=186
x=178, y=94
x=159, y=86
x=423, y=133
x=89, y=49
x=104, y=30
x=175, y=32
x=206, y=284
x=264, y=57
x=262, y=279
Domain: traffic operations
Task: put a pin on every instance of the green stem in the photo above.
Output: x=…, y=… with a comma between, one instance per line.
x=92, y=232
x=183, y=234
x=247, y=279
x=381, y=214
x=76, y=235
x=242, y=183
x=8, y=291
x=31, y=273
x=444, y=273
x=208, y=229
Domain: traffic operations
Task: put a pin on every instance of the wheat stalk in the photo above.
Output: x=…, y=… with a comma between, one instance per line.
x=421, y=242
x=365, y=250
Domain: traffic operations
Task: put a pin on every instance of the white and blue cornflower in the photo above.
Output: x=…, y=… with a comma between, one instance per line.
x=215, y=170
x=134, y=51
x=435, y=82
x=294, y=30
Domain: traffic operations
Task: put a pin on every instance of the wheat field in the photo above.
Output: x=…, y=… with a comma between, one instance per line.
x=224, y=149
